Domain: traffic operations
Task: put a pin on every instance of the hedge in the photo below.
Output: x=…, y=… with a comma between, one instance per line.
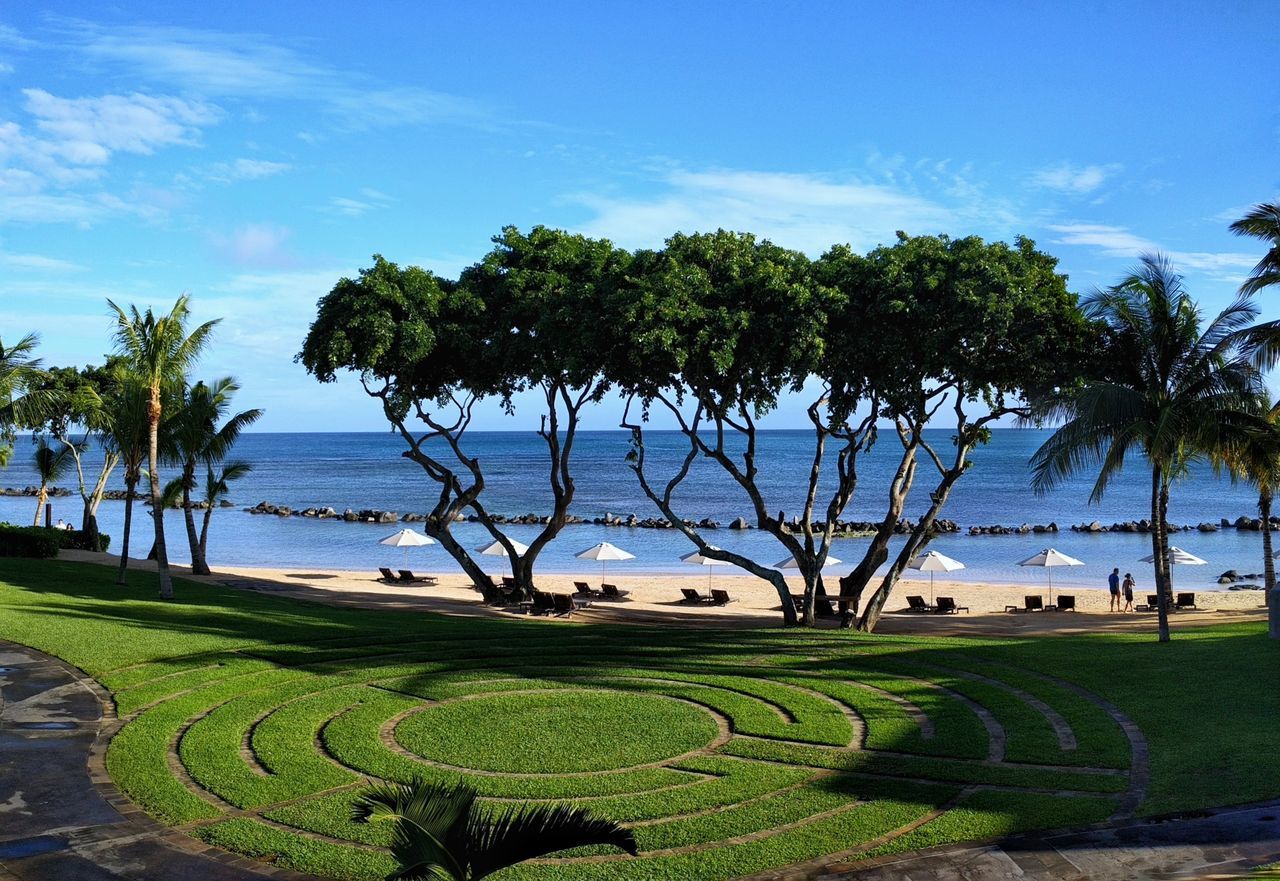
x=29, y=541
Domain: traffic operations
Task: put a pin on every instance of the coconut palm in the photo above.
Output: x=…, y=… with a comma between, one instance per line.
x=1262, y=222
x=19, y=404
x=216, y=486
x=159, y=351
x=197, y=438
x=52, y=465
x=1170, y=390
x=126, y=433
x=439, y=835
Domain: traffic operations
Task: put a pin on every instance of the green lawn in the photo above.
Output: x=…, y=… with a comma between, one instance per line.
x=727, y=752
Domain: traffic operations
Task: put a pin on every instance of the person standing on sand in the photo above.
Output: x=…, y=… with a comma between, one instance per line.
x=1129, y=585
x=1113, y=584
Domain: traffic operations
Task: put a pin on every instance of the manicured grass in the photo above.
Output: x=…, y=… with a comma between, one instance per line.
x=279, y=708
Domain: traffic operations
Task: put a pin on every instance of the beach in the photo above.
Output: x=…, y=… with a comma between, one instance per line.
x=656, y=599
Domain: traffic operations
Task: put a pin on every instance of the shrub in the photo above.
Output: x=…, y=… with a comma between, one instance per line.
x=29, y=541
x=75, y=540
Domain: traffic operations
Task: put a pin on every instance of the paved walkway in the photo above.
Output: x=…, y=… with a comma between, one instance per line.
x=61, y=819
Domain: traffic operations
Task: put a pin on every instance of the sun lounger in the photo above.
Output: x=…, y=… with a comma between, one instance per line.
x=692, y=597
x=720, y=598
x=822, y=608
x=582, y=589
x=1152, y=604
x=388, y=577
x=508, y=582
x=407, y=577
x=1185, y=601
x=562, y=605
x=947, y=605
x=493, y=596
x=543, y=603
x=611, y=592
x=1066, y=603
x=917, y=604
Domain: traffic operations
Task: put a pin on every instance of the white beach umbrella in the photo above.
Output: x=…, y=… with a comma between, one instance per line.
x=496, y=548
x=1178, y=557
x=792, y=563
x=1048, y=559
x=695, y=558
x=932, y=562
x=407, y=538
x=604, y=552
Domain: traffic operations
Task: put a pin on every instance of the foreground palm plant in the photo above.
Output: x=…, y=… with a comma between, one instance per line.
x=439, y=835
x=51, y=464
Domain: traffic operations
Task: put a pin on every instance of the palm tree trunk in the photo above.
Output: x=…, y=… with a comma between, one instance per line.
x=129, y=487
x=198, y=566
x=41, y=497
x=1269, y=565
x=157, y=501
x=1159, y=497
x=204, y=536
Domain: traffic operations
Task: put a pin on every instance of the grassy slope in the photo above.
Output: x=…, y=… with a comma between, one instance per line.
x=1205, y=703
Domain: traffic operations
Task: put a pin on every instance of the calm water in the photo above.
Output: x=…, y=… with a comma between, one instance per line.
x=367, y=471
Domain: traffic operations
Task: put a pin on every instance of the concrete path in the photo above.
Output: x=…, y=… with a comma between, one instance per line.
x=61, y=819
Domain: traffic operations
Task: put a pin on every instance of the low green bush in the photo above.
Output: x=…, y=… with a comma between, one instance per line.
x=28, y=541
x=75, y=540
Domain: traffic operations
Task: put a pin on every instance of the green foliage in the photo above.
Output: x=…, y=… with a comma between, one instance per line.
x=1262, y=221
x=21, y=401
x=29, y=541
x=78, y=540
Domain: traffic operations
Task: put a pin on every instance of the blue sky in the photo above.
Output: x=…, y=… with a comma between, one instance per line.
x=253, y=154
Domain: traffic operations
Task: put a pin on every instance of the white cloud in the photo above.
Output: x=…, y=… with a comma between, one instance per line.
x=87, y=130
x=37, y=262
x=1075, y=180
x=1117, y=241
x=6, y=67
x=246, y=169
x=255, y=244
x=805, y=211
x=371, y=200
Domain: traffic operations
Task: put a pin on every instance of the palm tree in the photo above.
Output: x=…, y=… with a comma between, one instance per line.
x=1262, y=222
x=440, y=836
x=20, y=404
x=1168, y=389
x=52, y=465
x=216, y=487
x=160, y=352
x=126, y=433
x=198, y=439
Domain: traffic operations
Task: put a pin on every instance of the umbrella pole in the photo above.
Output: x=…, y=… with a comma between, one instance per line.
x=1050, y=573
x=931, y=588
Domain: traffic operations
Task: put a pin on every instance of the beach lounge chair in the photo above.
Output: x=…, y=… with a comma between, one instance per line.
x=822, y=608
x=1033, y=603
x=508, y=582
x=388, y=577
x=582, y=589
x=543, y=603
x=494, y=596
x=1185, y=601
x=407, y=577
x=720, y=598
x=1152, y=604
x=562, y=605
x=611, y=592
x=1066, y=603
x=947, y=605
x=917, y=604
x=692, y=597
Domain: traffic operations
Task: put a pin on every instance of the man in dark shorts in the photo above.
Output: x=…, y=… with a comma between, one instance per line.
x=1113, y=584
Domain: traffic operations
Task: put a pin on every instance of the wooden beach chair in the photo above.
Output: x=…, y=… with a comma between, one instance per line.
x=582, y=589
x=1066, y=603
x=947, y=605
x=1185, y=601
x=692, y=597
x=407, y=577
x=1152, y=604
x=917, y=604
x=388, y=577
x=611, y=592
x=543, y=603
x=720, y=598
x=561, y=605
x=1033, y=603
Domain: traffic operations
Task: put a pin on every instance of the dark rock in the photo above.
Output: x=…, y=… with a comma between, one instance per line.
x=740, y=523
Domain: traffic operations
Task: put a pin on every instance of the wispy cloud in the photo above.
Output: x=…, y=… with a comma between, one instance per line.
x=257, y=245
x=37, y=263
x=370, y=200
x=1117, y=241
x=85, y=131
x=245, y=169
x=805, y=211
x=250, y=66
x=1073, y=179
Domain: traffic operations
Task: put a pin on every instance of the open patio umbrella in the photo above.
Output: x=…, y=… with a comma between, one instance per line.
x=496, y=548
x=407, y=538
x=604, y=552
x=695, y=558
x=1178, y=557
x=1048, y=559
x=932, y=562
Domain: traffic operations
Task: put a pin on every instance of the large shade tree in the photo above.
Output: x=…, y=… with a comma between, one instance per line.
x=1174, y=391
x=942, y=333
x=160, y=352
x=516, y=328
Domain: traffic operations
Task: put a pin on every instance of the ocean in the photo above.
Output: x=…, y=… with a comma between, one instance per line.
x=366, y=470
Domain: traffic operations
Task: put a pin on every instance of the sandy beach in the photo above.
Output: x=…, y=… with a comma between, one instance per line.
x=657, y=599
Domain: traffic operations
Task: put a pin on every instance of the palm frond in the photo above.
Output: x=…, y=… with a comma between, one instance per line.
x=520, y=834
x=426, y=817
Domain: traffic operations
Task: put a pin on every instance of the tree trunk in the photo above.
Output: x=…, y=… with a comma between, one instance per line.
x=89, y=525
x=129, y=487
x=41, y=497
x=1159, y=546
x=198, y=566
x=157, y=500
x=204, y=536
x=1269, y=565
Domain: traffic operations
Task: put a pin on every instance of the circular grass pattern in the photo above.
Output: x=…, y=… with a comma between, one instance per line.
x=556, y=732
